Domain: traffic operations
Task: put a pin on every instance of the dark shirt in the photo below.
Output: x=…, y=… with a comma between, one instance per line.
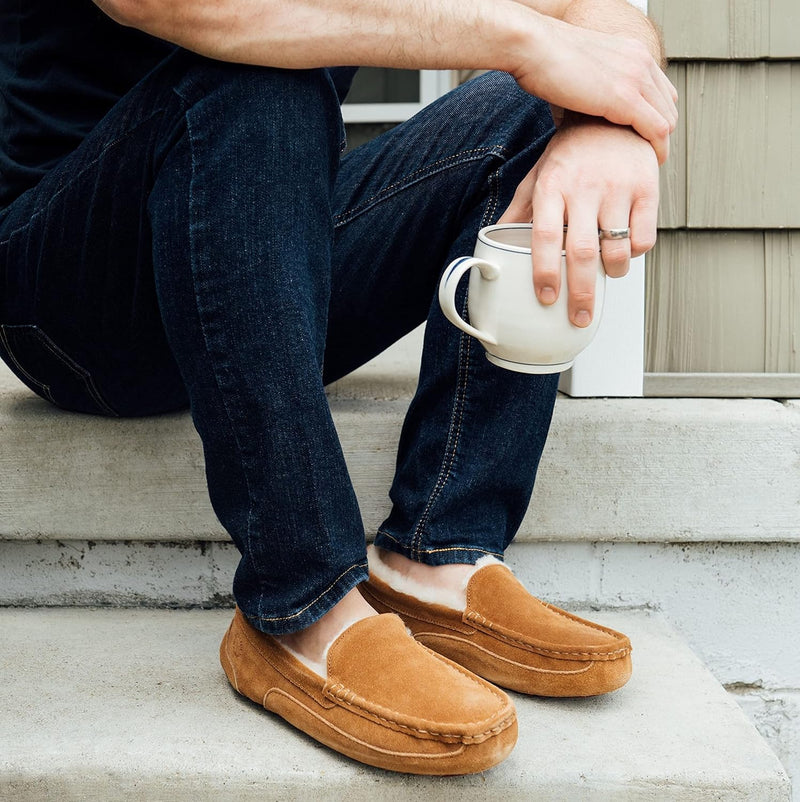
x=63, y=64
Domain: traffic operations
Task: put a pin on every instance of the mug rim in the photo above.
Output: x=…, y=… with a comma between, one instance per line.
x=502, y=246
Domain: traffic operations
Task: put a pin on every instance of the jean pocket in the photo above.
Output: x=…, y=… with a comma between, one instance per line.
x=49, y=371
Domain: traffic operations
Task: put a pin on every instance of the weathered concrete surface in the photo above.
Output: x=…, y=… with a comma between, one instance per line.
x=776, y=715
x=738, y=605
x=613, y=469
x=98, y=705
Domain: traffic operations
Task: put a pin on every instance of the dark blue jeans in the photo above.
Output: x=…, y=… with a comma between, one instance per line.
x=206, y=245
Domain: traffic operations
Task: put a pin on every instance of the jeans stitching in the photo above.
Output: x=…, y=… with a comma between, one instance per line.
x=203, y=326
x=463, y=548
x=313, y=601
x=453, y=437
x=75, y=368
x=44, y=387
x=459, y=405
x=454, y=160
x=494, y=195
x=391, y=537
x=61, y=190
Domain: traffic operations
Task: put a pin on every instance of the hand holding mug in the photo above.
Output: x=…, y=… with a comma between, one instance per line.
x=517, y=331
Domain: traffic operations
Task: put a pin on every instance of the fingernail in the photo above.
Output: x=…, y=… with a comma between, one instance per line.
x=547, y=295
x=582, y=318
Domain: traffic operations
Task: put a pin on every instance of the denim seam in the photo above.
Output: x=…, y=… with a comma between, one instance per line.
x=454, y=160
x=464, y=548
x=494, y=194
x=73, y=367
x=460, y=400
x=451, y=446
x=203, y=326
x=45, y=387
x=442, y=549
x=60, y=191
x=313, y=601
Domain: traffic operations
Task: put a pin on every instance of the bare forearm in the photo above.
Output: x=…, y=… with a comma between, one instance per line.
x=414, y=34
x=616, y=17
x=571, y=66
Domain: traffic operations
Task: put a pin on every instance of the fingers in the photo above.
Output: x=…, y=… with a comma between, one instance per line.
x=520, y=209
x=582, y=249
x=616, y=253
x=651, y=106
x=666, y=97
x=546, y=242
x=654, y=127
x=644, y=223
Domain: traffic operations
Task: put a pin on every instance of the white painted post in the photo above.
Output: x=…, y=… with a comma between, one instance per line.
x=613, y=365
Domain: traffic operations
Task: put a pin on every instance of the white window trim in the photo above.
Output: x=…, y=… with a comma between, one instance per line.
x=432, y=84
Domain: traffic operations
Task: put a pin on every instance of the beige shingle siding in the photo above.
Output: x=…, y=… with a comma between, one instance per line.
x=728, y=29
x=724, y=301
x=723, y=283
x=735, y=159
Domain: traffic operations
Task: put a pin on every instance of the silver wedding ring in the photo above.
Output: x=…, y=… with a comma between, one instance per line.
x=614, y=233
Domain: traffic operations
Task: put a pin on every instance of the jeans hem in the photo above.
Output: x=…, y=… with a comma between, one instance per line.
x=435, y=555
x=314, y=610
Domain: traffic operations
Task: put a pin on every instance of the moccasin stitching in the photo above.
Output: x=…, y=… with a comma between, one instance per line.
x=444, y=755
x=484, y=623
x=582, y=621
x=614, y=654
x=574, y=619
x=494, y=655
x=351, y=701
x=339, y=692
x=348, y=633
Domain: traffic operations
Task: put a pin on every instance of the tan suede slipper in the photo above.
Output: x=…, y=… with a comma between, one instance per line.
x=512, y=639
x=387, y=701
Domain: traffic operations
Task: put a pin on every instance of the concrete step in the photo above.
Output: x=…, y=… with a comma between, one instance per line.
x=132, y=705
x=661, y=470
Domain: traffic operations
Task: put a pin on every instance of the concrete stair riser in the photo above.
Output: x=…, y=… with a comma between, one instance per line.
x=622, y=469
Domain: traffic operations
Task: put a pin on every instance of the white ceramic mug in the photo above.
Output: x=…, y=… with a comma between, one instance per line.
x=516, y=329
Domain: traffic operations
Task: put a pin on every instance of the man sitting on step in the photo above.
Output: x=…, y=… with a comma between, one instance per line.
x=178, y=227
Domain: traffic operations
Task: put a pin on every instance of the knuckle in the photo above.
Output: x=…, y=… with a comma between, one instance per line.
x=547, y=235
x=581, y=299
x=641, y=243
x=662, y=128
x=583, y=250
x=616, y=254
x=548, y=183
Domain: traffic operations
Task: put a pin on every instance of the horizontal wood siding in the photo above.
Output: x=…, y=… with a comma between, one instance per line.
x=723, y=301
x=782, y=291
x=672, y=208
x=705, y=302
x=743, y=144
x=728, y=29
x=735, y=156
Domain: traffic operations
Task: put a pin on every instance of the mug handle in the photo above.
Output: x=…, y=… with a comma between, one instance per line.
x=447, y=292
